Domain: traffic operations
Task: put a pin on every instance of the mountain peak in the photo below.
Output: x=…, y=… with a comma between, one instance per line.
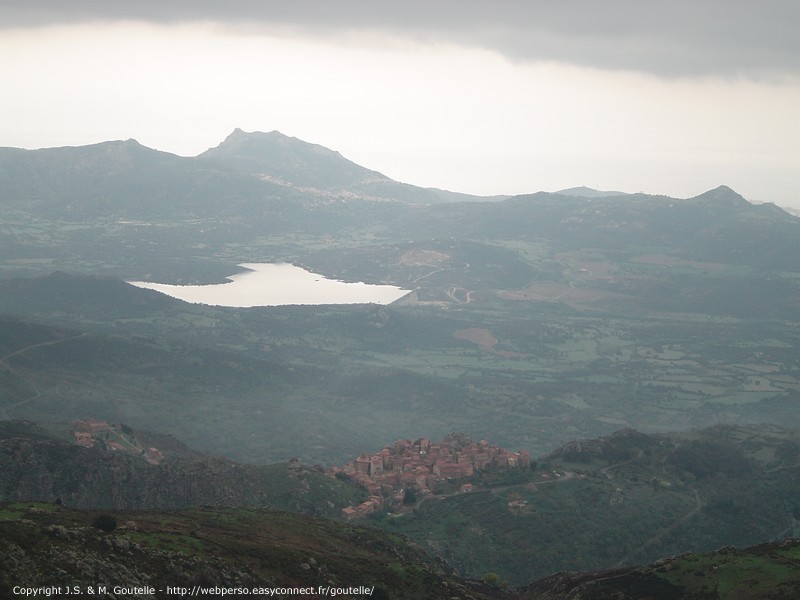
x=236, y=134
x=278, y=156
x=240, y=134
x=723, y=196
x=255, y=144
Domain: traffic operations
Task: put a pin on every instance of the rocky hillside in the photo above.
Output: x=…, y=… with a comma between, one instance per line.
x=37, y=465
x=262, y=550
x=147, y=555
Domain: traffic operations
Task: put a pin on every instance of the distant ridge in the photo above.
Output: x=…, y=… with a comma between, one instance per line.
x=587, y=192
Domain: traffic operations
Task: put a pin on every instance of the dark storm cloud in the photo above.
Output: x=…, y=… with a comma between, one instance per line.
x=668, y=38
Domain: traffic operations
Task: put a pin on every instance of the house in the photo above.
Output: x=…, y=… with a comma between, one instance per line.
x=153, y=456
x=448, y=470
x=375, y=465
x=84, y=438
x=362, y=464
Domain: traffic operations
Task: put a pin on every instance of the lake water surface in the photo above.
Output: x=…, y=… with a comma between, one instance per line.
x=280, y=284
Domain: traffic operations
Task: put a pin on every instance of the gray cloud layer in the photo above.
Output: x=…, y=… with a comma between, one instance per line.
x=666, y=38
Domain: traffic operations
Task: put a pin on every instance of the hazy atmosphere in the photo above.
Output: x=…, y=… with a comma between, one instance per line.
x=483, y=98
x=438, y=300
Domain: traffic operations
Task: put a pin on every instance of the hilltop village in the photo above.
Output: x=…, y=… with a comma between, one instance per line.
x=116, y=438
x=424, y=467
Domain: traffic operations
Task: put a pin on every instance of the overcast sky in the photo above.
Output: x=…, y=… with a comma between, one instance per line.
x=480, y=97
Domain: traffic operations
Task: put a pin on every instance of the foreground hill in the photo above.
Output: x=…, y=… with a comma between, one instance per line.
x=44, y=545
x=767, y=571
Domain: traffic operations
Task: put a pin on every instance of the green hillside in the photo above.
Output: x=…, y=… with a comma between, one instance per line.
x=620, y=500
x=327, y=383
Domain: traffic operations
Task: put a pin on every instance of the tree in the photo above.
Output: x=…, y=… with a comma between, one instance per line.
x=106, y=523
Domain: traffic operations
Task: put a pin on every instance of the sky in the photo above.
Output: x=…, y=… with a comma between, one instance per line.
x=501, y=97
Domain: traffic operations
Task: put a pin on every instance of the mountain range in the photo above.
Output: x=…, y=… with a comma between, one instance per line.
x=123, y=208
x=126, y=179
x=643, y=347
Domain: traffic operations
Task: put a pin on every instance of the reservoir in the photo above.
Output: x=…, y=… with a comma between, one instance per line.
x=280, y=284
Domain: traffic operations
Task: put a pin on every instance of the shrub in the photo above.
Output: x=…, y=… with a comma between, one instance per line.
x=105, y=522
